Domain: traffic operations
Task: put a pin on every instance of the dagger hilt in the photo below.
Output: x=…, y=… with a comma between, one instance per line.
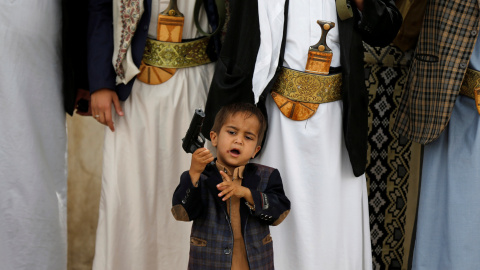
x=172, y=9
x=321, y=46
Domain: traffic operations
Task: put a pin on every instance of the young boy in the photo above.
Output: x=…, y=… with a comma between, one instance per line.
x=232, y=203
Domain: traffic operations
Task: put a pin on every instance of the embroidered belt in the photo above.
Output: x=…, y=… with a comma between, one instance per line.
x=471, y=86
x=298, y=94
x=176, y=55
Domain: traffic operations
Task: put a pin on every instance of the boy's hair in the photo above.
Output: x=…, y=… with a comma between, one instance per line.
x=248, y=109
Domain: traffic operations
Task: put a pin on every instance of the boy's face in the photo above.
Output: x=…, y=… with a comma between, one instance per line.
x=236, y=142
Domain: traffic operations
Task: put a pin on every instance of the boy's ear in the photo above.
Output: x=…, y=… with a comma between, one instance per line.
x=213, y=138
x=256, y=151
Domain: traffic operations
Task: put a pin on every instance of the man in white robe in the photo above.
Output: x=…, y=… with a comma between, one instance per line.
x=143, y=156
x=33, y=181
x=323, y=158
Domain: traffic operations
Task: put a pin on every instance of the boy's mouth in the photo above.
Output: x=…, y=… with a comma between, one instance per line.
x=234, y=152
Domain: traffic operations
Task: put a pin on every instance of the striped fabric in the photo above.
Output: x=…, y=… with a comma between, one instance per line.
x=446, y=41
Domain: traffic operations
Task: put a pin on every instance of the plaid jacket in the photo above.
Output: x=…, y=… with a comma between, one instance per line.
x=447, y=39
x=211, y=241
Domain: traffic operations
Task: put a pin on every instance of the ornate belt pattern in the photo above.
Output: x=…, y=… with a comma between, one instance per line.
x=471, y=86
x=176, y=55
x=298, y=94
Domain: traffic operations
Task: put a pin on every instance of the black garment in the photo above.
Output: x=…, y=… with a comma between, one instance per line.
x=232, y=82
x=74, y=50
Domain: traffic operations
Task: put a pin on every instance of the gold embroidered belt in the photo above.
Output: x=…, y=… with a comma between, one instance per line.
x=471, y=86
x=298, y=94
x=176, y=55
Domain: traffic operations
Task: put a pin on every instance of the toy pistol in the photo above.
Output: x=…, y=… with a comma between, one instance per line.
x=194, y=138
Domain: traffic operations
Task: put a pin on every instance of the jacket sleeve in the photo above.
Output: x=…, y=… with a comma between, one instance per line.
x=100, y=45
x=271, y=206
x=187, y=200
x=380, y=22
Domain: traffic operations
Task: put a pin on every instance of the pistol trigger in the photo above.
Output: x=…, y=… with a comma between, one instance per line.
x=201, y=140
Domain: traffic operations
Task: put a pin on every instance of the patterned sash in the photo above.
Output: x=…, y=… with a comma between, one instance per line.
x=129, y=13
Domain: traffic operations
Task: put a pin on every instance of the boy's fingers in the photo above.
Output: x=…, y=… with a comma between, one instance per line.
x=224, y=185
x=198, y=151
x=207, y=160
x=207, y=157
x=202, y=151
x=226, y=190
x=227, y=196
x=221, y=187
x=225, y=176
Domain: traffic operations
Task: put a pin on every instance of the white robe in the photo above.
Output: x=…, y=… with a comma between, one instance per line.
x=33, y=181
x=328, y=226
x=143, y=160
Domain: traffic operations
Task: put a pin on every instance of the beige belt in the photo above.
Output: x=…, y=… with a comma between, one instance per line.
x=176, y=55
x=298, y=94
x=471, y=86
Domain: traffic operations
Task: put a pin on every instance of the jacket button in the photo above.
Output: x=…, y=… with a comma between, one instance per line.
x=463, y=65
x=184, y=201
x=145, y=28
x=473, y=33
x=227, y=251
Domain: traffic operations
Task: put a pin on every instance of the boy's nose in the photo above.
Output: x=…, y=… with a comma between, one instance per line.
x=238, y=141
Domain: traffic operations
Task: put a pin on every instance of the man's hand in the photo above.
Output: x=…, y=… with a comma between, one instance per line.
x=102, y=106
x=200, y=158
x=359, y=4
x=231, y=188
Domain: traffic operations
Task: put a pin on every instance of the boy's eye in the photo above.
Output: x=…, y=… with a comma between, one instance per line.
x=249, y=137
x=231, y=132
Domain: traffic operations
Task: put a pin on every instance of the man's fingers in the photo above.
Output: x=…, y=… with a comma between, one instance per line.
x=100, y=118
x=109, y=121
x=118, y=107
x=101, y=104
x=95, y=114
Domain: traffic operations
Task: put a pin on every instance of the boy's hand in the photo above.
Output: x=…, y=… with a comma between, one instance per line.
x=230, y=188
x=200, y=158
